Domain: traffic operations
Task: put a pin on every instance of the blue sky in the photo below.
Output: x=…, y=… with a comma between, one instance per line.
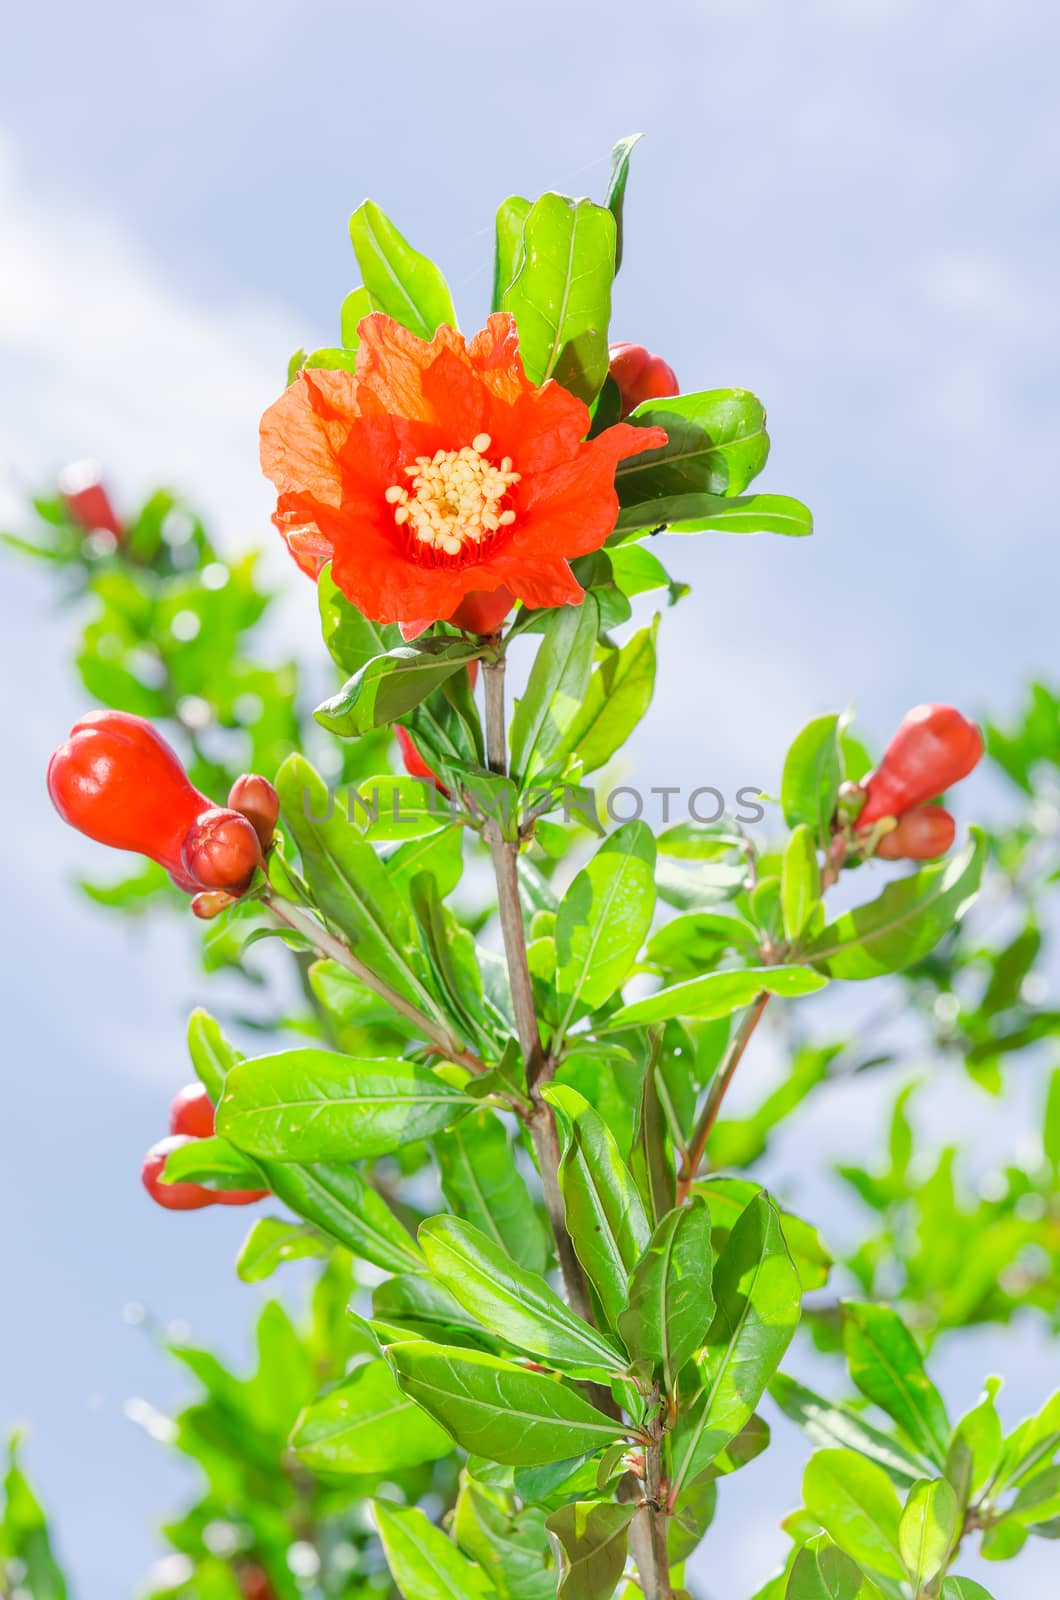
x=846, y=207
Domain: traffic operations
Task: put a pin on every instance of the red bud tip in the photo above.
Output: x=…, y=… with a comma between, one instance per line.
x=255, y=798
x=86, y=499
x=221, y=851
x=191, y=1112
x=210, y=903
x=923, y=834
x=414, y=763
x=640, y=375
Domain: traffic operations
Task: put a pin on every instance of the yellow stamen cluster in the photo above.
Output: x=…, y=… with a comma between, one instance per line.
x=454, y=500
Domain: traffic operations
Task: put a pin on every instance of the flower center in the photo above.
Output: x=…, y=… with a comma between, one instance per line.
x=453, y=505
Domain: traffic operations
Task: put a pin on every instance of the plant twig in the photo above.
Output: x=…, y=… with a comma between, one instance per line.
x=539, y=1068
x=333, y=949
x=648, y=1530
x=717, y=1092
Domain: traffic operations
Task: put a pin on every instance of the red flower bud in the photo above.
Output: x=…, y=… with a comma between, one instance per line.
x=256, y=799
x=86, y=500
x=173, y=1196
x=483, y=610
x=934, y=747
x=221, y=850
x=187, y=1196
x=191, y=1112
x=922, y=834
x=640, y=375
x=414, y=763
x=118, y=781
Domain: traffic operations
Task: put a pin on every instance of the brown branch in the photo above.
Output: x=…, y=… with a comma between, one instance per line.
x=333, y=949
x=717, y=1092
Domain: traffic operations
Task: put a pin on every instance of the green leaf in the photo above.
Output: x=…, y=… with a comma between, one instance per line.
x=561, y=294
x=603, y=920
x=593, y=1539
x=352, y=640
x=605, y=1214
x=213, y=1162
x=976, y=1446
x=336, y=1199
x=390, y=686
x=887, y=1367
x=424, y=1564
x=963, y=1589
x=517, y=1306
x=671, y=1303
x=683, y=947
x=813, y=771
x=759, y=1298
x=508, y=246
x=315, y=1105
x=356, y=306
x=332, y=359
x=716, y=442
x=211, y=1054
x=821, y=1571
x=1039, y=1498
x=927, y=1529
x=498, y=1410
x=830, y=1424
x=716, y=994
x=856, y=1502
x=481, y=1182
x=401, y=282
x=728, y=1198
x=555, y=688
x=25, y=1541
x=650, y=1160
x=618, y=694
x=511, y=1546
x=350, y=885
x=366, y=1425
x=614, y=200
x=272, y=1241
x=906, y=922
x=398, y=808
x=1032, y=1444
x=800, y=883
x=714, y=513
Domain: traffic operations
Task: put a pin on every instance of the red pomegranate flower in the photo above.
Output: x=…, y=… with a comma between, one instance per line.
x=438, y=471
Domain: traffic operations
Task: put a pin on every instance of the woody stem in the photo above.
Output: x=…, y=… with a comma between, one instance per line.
x=325, y=944
x=538, y=1066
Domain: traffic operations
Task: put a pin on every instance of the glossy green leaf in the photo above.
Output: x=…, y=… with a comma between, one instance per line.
x=888, y=1368
x=424, y=1564
x=728, y=1199
x=964, y=1589
x=482, y=1183
x=927, y=1529
x=812, y=774
x=716, y=442
x=211, y=1054
x=212, y=1162
x=821, y=1571
x=555, y=689
x=498, y=1410
x=26, y=1554
x=618, y=694
x=758, y=1298
x=855, y=1501
x=1032, y=1444
x=394, y=809
x=603, y=920
x=592, y=1537
x=671, y=1303
x=906, y=922
x=714, y=513
x=390, y=686
x=366, y=1425
x=316, y=1105
x=401, y=282
x=717, y=994
x=517, y=1306
x=650, y=1159
x=356, y=306
x=337, y=1200
x=511, y=1546
x=800, y=882
x=561, y=294
x=605, y=1214
x=351, y=638
x=272, y=1241
x=976, y=1447
x=508, y=245
x=614, y=200
x=832, y=1425
x=685, y=946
